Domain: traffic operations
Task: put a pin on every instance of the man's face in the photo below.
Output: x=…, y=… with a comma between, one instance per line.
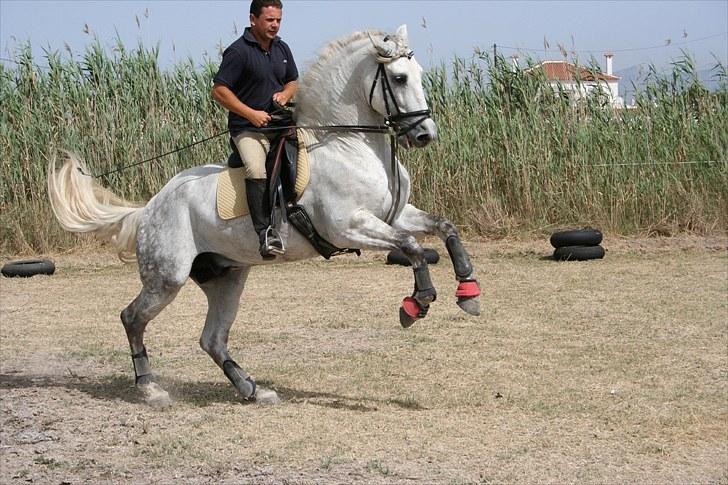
x=267, y=25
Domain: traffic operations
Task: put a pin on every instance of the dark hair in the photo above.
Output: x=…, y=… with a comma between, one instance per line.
x=256, y=6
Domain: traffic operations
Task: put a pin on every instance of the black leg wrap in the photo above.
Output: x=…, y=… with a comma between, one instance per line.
x=143, y=353
x=424, y=291
x=142, y=369
x=242, y=381
x=422, y=278
x=460, y=260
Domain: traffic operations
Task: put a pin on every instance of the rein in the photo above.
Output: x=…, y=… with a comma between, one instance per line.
x=383, y=129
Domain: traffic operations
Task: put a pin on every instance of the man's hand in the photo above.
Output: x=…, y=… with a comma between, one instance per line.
x=281, y=98
x=259, y=118
x=227, y=99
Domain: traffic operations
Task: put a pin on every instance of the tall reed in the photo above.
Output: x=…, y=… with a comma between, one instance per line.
x=512, y=155
x=111, y=109
x=515, y=155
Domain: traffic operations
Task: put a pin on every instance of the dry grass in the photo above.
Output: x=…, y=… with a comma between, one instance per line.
x=609, y=371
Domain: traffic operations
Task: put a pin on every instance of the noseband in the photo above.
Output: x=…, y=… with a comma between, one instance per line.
x=399, y=120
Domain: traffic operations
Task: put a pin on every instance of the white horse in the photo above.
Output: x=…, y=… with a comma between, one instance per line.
x=354, y=188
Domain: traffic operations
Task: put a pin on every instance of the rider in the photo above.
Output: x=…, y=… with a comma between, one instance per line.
x=256, y=74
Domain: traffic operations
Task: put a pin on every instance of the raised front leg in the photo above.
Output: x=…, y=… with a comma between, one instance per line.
x=416, y=306
x=468, y=292
x=369, y=232
x=417, y=221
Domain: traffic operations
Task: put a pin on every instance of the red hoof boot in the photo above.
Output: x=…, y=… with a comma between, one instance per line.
x=468, y=289
x=411, y=311
x=467, y=293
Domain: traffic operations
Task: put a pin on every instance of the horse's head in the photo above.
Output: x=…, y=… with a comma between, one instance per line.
x=396, y=90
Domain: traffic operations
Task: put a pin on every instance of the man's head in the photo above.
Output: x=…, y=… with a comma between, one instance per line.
x=265, y=18
x=256, y=6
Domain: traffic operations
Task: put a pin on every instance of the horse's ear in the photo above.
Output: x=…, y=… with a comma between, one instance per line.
x=402, y=34
x=385, y=48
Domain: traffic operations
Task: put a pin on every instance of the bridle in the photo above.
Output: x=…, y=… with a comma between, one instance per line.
x=398, y=122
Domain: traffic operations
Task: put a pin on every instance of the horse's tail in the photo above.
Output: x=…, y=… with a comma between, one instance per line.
x=82, y=205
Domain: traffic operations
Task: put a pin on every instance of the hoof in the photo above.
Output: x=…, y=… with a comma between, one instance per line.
x=404, y=319
x=244, y=384
x=155, y=396
x=247, y=389
x=470, y=305
x=267, y=397
x=411, y=311
x=468, y=293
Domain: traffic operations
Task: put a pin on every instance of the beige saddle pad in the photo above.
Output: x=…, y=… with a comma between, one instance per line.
x=231, y=199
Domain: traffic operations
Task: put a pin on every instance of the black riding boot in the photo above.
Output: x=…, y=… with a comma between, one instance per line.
x=270, y=242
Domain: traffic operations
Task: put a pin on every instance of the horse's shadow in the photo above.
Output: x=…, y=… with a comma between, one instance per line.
x=117, y=387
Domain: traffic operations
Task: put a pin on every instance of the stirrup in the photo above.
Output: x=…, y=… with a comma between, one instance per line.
x=271, y=244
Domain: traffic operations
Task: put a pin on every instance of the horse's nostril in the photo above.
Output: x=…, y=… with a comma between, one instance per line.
x=424, y=138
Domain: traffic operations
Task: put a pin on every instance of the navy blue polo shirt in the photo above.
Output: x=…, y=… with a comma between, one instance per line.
x=254, y=75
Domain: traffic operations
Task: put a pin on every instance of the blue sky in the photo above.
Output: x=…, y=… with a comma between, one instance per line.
x=636, y=31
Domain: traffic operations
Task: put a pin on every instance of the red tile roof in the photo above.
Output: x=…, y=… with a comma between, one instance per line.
x=566, y=71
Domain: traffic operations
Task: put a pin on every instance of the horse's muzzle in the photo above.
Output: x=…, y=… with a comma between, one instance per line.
x=422, y=134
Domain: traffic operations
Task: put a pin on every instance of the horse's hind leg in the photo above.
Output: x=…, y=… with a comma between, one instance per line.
x=135, y=318
x=223, y=297
x=415, y=220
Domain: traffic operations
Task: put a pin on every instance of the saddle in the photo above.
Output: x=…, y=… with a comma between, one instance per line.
x=231, y=199
x=288, y=171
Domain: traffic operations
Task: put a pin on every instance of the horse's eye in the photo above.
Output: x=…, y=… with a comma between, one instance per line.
x=400, y=79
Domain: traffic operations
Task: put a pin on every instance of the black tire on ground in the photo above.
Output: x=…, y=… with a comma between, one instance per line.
x=578, y=253
x=398, y=257
x=28, y=267
x=576, y=237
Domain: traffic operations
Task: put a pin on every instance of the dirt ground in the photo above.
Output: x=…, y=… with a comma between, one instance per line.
x=609, y=371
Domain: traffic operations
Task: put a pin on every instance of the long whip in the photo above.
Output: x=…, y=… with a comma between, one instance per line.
x=383, y=129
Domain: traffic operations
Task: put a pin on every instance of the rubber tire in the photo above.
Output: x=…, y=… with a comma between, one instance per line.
x=576, y=237
x=398, y=257
x=578, y=253
x=26, y=268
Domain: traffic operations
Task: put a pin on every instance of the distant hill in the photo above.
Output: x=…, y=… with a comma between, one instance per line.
x=637, y=74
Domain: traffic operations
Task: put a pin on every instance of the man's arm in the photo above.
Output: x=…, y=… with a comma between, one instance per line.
x=289, y=90
x=229, y=101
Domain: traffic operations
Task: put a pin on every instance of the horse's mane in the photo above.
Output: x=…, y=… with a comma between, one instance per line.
x=321, y=96
x=317, y=70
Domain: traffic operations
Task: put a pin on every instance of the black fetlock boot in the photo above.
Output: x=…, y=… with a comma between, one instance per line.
x=270, y=242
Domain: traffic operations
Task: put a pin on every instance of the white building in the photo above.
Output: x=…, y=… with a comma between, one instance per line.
x=579, y=81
